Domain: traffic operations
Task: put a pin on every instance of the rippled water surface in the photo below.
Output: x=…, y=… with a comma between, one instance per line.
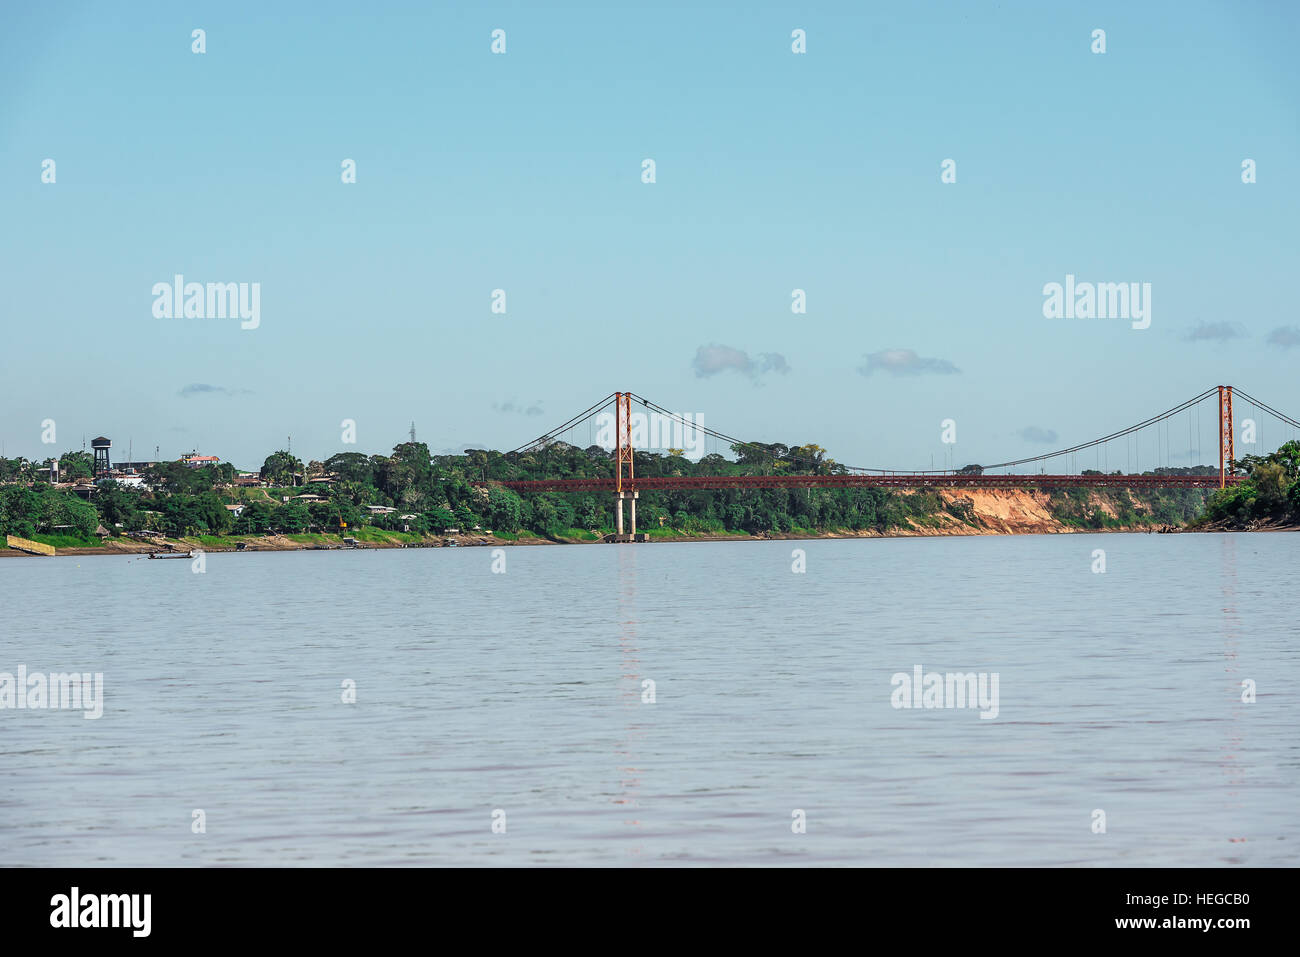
x=523, y=692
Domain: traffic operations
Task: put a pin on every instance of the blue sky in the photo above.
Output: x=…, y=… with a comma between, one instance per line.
x=522, y=172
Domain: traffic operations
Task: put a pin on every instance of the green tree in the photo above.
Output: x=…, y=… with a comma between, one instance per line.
x=590, y=514
x=60, y=508
x=465, y=518
x=280, y=468
x=351, y=467
x=21, y=510
x=257, y=518
x=504, y=509
x=439, y=519
x=178, y=478
x=75, y=465
x=294, y=518
x=119, y=505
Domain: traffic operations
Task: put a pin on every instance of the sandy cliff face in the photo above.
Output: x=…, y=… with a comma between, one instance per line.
x=1006, y=510
x=1003, y=512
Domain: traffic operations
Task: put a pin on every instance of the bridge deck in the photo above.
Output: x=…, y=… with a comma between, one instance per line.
x=902, y=480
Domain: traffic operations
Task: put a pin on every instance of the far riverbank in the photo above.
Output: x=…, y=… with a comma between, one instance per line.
x=964, y=512
x=321, y=542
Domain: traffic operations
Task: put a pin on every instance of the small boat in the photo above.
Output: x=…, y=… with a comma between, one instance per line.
x=171, y=554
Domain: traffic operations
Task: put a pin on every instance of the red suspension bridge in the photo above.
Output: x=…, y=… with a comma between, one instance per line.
x=800, y=471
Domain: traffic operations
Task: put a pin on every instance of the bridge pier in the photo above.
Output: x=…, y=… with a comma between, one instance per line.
x=631, y=498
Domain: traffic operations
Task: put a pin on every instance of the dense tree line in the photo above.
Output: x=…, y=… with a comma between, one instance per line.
x=26, y=510
x=429, y=494
x=1271, y=492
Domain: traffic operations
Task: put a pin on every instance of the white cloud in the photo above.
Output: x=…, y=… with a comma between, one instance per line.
x=905, y=362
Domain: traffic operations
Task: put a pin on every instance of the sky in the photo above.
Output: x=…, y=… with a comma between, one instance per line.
x=522, y=171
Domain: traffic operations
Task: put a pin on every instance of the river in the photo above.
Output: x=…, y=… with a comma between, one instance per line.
x=502, y=714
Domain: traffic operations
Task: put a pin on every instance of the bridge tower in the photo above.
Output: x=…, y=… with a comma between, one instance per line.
x=1226, y=449
x=623, y=456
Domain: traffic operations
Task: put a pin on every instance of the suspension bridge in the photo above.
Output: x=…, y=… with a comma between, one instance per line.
x=1154, y=442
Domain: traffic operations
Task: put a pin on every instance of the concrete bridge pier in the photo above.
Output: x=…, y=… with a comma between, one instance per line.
x=631, y=498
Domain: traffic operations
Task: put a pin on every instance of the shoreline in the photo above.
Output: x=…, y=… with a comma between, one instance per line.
x=280, y=543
